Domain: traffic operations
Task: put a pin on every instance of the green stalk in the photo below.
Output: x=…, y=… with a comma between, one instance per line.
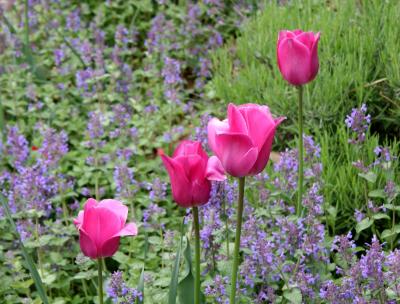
x=300, y=148
x=237, y=240
x=100, y=279
x=197, y=255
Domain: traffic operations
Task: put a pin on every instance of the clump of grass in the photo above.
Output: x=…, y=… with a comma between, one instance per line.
x=359, y=62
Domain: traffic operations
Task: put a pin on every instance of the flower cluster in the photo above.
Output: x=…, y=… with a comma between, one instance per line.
x=358, y=122
x=119, y=291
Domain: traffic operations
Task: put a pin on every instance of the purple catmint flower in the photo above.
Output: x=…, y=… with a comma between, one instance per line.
x=16, y=147
x=390, y=190
x=95, y=125
x=171, y=71
x=217, y=289
x=121, y=35
x=151, y=216
x=158, y=190
x=124, y=181
x=119, y=291
x=54, y=146
x=371, y=265
x=74, y=21
x=154, y=39
x=59, y=56
x=82, y=78
x=358, y=122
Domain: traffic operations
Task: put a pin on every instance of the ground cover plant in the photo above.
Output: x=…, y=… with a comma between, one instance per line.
x=199, y=152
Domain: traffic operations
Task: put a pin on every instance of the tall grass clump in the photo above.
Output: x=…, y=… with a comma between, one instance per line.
x=358, y=53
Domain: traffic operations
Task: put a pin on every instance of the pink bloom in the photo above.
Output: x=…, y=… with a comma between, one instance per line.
x=243, y=141
x=297, y=54
x=101, y=225
x=190, y=171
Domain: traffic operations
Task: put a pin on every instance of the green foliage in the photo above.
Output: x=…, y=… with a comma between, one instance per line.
x=30, y=264
x=346, y=188
x=359, y=62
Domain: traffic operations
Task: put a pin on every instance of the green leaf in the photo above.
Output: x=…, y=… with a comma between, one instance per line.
x=391, y=207
x=379, y=216
x=141, y=287
x=293, y=295
x=369, y=176
x=364, y=224
x=29, y=262
x=173, y=286
x=388, y=234
x=186, y=285
x=379, y=193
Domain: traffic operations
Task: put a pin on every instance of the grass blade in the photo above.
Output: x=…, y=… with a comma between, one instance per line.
x=29, y=262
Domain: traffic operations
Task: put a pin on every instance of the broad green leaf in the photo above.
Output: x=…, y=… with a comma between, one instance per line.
x=388, y=233
x=379, y=216
x=293, y=295
x=378, y=193
x=369, y=176
x=391, y=207
x=186, y=285
x=364, y=224
x=29, y=262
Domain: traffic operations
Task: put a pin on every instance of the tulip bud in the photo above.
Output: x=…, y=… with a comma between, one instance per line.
x=100, y=227
x=297, y=54
x=243, y=141
x=190, y=171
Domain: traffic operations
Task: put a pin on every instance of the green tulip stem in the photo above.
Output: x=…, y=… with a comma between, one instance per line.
x=237, y=241
x=100, y=279
x=300, y=148
x=197, y=255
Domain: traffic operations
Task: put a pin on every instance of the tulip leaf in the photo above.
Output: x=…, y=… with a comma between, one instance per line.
x=186, y=285
x=173, y=286
x=29, y=262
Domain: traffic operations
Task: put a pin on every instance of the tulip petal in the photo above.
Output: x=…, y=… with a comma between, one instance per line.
x=100, y=224
x=215, y=126
x=314, y=57
x=297, y=32
x=285, y=34
x=306, y=38
x=215, y=170
x=116, y=207
x=259, y=121
x=237, y=153
x=193, y=165
x=130, y=229
x=110, y=247
x=79, y=220
x=294, y=61
x=179, y=182
x=87, y=245
x=201, y=192
x=237, y=123
x=265, y=151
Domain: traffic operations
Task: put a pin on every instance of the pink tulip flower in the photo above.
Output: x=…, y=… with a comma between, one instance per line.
x=191, y=171
x=100, y=227
x=243, y=141
x=297, y=53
